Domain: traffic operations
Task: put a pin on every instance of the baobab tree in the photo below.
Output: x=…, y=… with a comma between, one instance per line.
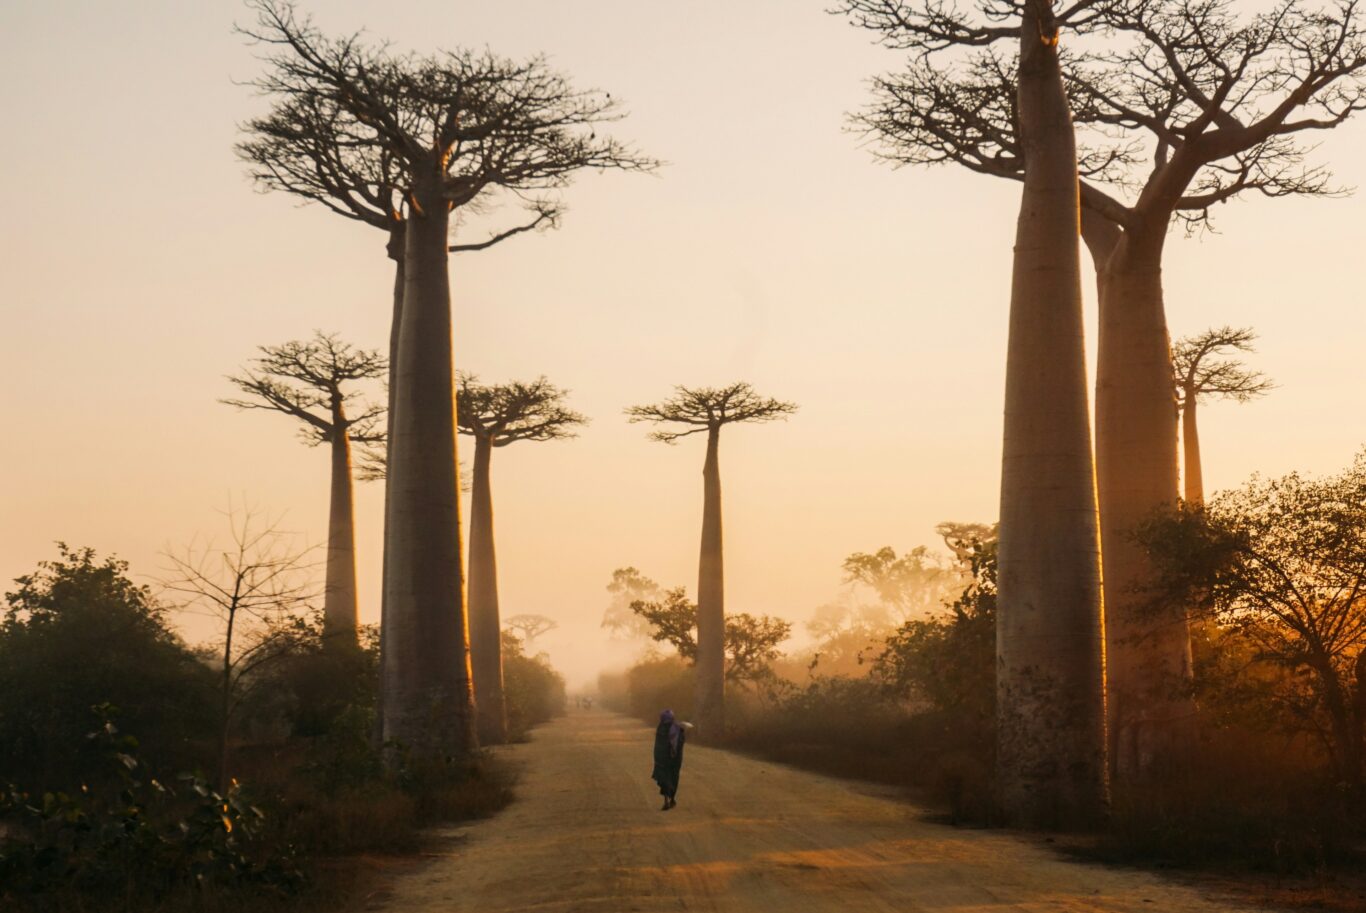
x=1183, y=105
x=305, y=147
x=454, y=132
x=496, y=416
x=529, y=627
x=308, y=381
x=706, y=410
x=1201, y=374
x=1050, y=712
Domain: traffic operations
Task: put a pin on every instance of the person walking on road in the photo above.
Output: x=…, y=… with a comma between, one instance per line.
x=669, y=738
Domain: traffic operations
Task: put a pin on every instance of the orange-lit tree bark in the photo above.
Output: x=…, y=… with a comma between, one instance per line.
x=496, y=416
x=458, y=128
x=307, y=381
x=706, y=410
x=303, y=147
x=1050, y=682
x=1049, y=670
x=1201, y=374
x=1187, y=104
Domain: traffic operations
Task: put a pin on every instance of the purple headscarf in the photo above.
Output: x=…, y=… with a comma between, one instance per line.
x=674, y=729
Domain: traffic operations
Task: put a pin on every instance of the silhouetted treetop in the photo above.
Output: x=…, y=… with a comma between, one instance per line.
x=529, y=627
x=362, y=129
x=708, y=408
x=929, y=26
x=1200, y=373
x=1215, y=98
x=305, y=379
x=516, y=411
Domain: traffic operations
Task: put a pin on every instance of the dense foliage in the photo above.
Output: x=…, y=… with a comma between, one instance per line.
x=1277, y=571
x=534, y=691
x=78, y=633
x=109, y=720
x=133, y=836
x=751, y=641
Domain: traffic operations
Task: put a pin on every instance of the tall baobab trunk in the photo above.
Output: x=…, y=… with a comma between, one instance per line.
x=1147, y=652
x=711, y=602
x=486, y=651
x=1050, y=676
x=1190, y=442
x=395, y=248
x=339, y=595
x=427, y=699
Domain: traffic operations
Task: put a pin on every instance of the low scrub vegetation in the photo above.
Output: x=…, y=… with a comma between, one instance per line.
x=1274, y=575
x=109, y=794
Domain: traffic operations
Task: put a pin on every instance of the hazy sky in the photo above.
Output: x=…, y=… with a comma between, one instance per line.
x=140, y=267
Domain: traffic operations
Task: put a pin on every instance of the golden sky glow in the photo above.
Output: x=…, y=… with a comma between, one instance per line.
x=770, y=249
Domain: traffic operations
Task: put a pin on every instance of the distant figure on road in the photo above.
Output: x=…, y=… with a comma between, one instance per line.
x=669, y=738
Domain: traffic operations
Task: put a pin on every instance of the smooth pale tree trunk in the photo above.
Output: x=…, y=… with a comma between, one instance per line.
x=1148, y=660
x=486, y=648
x=426, y=694
x=1050, y=677
x=395, y=249
x=711, y=603
x=1190, y=442
x=339, y=593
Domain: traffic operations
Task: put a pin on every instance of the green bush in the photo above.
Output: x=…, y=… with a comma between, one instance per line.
x=135, y=838
x=535, y=693
x=660, y=683
x=78, y=633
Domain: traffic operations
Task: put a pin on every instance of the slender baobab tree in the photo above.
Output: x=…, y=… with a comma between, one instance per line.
x=496, y=416
x=453, y=130
x=706, y=410
x=1182, y=105
x=303, y=147
x=1050, y=681
x=307, y=381
x=1201, y=374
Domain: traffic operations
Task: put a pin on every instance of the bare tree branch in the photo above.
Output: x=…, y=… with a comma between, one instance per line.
x=357, y=128
x=1199, y=373
x=318, y=369
x=505, y=413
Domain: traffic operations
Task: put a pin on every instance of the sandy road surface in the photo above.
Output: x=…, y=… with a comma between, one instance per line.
x=586, y=834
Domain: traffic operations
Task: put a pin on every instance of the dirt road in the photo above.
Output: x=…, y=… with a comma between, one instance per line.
x=586, y=834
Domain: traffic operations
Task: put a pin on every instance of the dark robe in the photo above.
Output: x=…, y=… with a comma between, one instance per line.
x=668, y=760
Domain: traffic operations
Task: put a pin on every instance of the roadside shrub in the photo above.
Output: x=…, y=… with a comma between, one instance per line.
x=1246, y=800
x=131, y=836
x=852, y=727
x=658, y=683
x=78, y=633
x=534, y=691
